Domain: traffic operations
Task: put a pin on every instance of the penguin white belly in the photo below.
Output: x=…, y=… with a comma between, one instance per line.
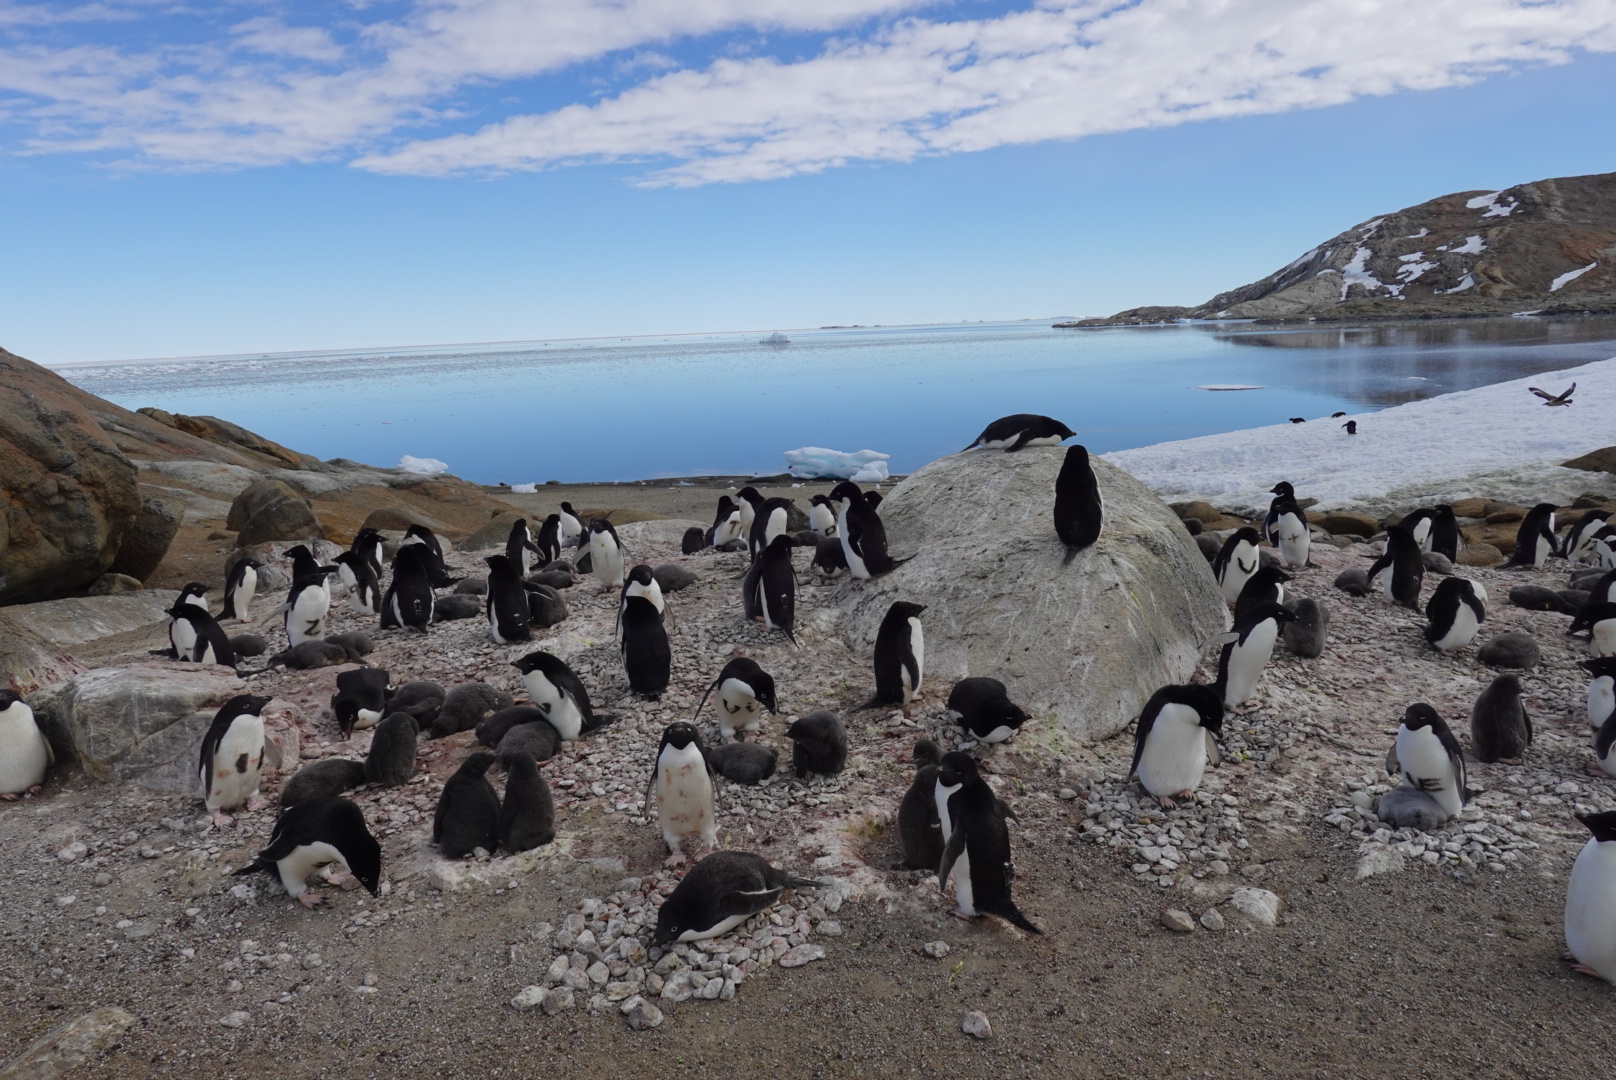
x=606, y=561
x=1421, y=756
x=821, y=521
x=1174, y=759
x=1461, y=633
x=1247, y=660
x=236, y=763
x=964, y=895
x=398, y=611
x=718, y=929
x=684, y=794
x=345, y=576
x=244, y=593
x=1242, y=564
x=562, y=712
x=493, y=626
x=24, y=754
x=206, y=656
x=361, y=600
x=998, y=734
x=1422, y=534
x=917, y=645
x=304, y=860
x=306, y=620
x=776, y=525
x=855, y=562
x=940, y=796
x=738, y=710
x=652, y=592
x=1603, y=642
x=1294, y=541
x=729, y=531
x=366, y=718
x=1386, y=577
x=1590, y=914
x=1542, y=549
x=182, y=635
x=1601, y=700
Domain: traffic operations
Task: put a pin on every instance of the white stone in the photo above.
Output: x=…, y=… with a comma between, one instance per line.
x=1258, y=905
x=800, y=955
x=976, y=1025
x=938, y=949
x=529, y=997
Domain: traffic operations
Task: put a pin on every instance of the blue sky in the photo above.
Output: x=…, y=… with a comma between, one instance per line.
x=256, y=176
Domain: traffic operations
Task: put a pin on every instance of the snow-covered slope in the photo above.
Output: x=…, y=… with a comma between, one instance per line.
x=1497, y=442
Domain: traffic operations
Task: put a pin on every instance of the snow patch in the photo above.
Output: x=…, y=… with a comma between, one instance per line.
x=422, y=466
x=1495, y=441
x=1466, y=282
x=1370, y=226
x=1356, y=273
x=815, y=462
x=1299, y=262
x=1569, y=276
x=1410, y=271
x=1473, y=245
x=1492, y=206
x=1418, y=235
x=524, y=489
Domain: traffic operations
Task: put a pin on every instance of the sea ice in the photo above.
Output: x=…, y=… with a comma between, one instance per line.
x=815, y=462
x=423, y=466
x=524, y=489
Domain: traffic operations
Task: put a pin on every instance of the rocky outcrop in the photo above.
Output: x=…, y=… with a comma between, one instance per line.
x=272, y=510
x=1547, y=247
x=1081, y=646
x=146, y=542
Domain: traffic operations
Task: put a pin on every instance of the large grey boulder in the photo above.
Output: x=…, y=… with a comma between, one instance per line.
x=80, y=619
x=271, y=510
x=124, y=722
x=1085, y=644
x=498, y=530
x=145, y=544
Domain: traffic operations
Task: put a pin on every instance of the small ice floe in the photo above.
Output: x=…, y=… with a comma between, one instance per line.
x=815, y=462
x=422, y=466
x=524, y=489
x=776, y=338
x=1227, y=386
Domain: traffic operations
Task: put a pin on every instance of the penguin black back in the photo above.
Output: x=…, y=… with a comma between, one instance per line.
x=983, y=707
x=467, y=817
x=391, y=760
x=324, y=819
x=362, y=690
x=409, y=601
x=1535, y=540
x=549, y=542
x=819, y=744
x=1406, y=566
x=647, y=656
x=1022, y=429
x=898, y=668
x=719, y=893
x=1079, y=509
x=1266, y=586
x=527, y=816
x=509, y=619
x=919, y=830
x=1445, y=532
x=777, y=587
x=212, y=643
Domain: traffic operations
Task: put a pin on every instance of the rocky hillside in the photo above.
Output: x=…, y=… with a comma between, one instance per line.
x=1544, y=247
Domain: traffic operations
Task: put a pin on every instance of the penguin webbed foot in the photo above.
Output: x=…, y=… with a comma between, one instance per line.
x=257, y=803
x=310, y=900
x=1508, y=761
x=8, y=796
x=222, y=819
x=1584, y=969
x=1166, y=802
x=675, y=859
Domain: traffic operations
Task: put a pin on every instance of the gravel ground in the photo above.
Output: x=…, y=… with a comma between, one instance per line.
x=1445, y=956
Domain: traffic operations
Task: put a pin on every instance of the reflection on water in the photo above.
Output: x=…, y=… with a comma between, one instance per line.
x=724, y=403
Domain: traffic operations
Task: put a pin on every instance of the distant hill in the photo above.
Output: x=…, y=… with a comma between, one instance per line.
x=1546, y=247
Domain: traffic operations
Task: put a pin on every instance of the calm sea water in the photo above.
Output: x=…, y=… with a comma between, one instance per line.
x=634, y=408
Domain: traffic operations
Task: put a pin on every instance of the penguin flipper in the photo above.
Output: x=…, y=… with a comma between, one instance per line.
x=705, y=696
x=1021, y=441
x=595, y=723
x=1393, y=767
x=1220, y=639
x=951, y=853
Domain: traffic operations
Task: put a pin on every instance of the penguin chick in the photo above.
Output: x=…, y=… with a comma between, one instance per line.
x=492, y=730
x=919, y=830
x=746, y=763
x=391, y=760
x=466, y=706
x=527, y=816
x=538, y=741
x=819, y=744
x=1500, y=729
x=467, y=817
x=326, y=777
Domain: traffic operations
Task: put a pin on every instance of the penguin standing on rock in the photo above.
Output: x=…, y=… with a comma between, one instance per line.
x=744, y=690
x=509, y=619
x=1406, y=565
x=863, y=536
x=558, y=692
x=437, y=571
x=682, y=782
x=467, y=817
x=361, y=699
x=527, y=814
x=768, y=523
x=410, y=602
x=1282, y=492
x=232, y=758
x=1173, y=740
x=900, y=656
x=647, y=656
x=1246, y=650
x=1079, y=508
x=239, y=588
x=571, y=527
x=1535, y=541
x=641, y=581
x=720, y=893
x=1011, y=433
x=1419, y=525
x=1590, y=911
x=776, y=584
x=1291, y=533
x=605, y=554
x=976, y=853
x=549, y=542
x=726, y=523
x=983, y=707
x=181, y=634
x=314, y=834
x=1266, y=586
x=1236, y=562
x=307, y=605
x=519, y=546
x=918, y=827
x=1579, y=542
x=25, y=753
x=821, y=517
x=368, y=544
x=749, y=500
x=1453, y=615
x=1429, y=758
x=209, y=643
x=1500, y=729
x=364, y=591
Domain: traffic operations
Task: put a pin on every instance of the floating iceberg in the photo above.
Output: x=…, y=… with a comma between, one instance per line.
x=524, y=489
x=815, y=462
x=423, y=466
x=776, y=338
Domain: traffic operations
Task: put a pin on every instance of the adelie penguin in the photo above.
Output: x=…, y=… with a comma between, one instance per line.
x=983, y=707
x=1419, y=525
x=25, y=753
x=641, y=581
x=571, y=527
x=307, y=605
x=509, y=619
x=1290, y=530
x=776, y=587
x=1403, y=567
x=1535, y=541
x=1579, y=542
x=519, y=547
x=1236, y=562
x=364, y=589
x=1246, y=650
x=1079, y=508
x=919, y=829
x=605, y=554
x=361, y=699
x=821, y=517
x=647, y=656
x=232, y=759
x=1601, y=689
x=527, y=813
x=682, y=784
x=976, y=848
x=313, y=835
x=863, y=536
x=1599, y=622
x=558, y=692
x=1429, y=758
x=744, y=691
x=436, y=571
x=900, y=656
x=209, y=643
x=1590, y=911
x=749, y=501
x=1453, y=615
x=1282, y=492
x=239, y=588
x=549, y=542
x=467, y=817
x=1173, y=741
x=1445, y=532
x=410, y=602
x=181, y=634
x=1500, y=729
x=1266, y=586
x=726, y=523
x=1011, y=433
x=769, y=522
x=1605, y=748
x=368, y=544
x=720, y=893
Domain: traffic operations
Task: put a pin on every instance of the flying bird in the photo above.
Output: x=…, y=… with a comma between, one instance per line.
x=1551, y=400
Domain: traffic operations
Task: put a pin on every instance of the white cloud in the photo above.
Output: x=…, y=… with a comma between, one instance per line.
x=262, y=91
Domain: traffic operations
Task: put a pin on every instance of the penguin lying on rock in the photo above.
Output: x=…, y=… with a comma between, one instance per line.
x=720, y=893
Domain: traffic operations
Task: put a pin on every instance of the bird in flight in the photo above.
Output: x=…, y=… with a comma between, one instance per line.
x=1551, y=400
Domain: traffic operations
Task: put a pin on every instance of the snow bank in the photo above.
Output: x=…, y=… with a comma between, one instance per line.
x=1495, y=441
x=524, y=489
x=424, y=466
x=815, y=462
